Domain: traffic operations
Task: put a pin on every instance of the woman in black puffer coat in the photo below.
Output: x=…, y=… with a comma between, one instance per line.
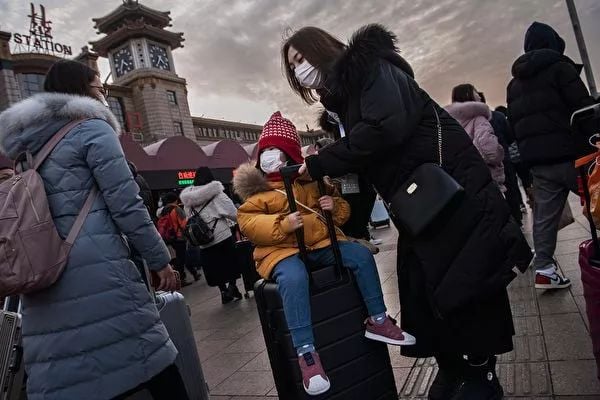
x=453, y=277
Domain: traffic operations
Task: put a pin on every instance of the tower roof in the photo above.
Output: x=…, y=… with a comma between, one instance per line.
x=131, y=10
x=132, y=20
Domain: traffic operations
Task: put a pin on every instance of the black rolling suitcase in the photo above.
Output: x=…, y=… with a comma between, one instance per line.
x=246, y=264
x=358, y=368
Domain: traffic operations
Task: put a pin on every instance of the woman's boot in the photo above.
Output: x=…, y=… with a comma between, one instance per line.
x=226, y=297
x=480, y=381
x=234, y=291
x=448, y=378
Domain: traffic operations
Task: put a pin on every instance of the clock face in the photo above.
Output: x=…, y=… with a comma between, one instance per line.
x=123, y=61
x=159, y=57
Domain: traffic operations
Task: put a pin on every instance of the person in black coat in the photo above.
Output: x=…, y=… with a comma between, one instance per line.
x=513, y=193
x=545, y=91
x=145, y=191
x=453, y=277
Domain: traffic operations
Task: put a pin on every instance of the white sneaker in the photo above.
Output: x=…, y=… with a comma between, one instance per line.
x=556, y=281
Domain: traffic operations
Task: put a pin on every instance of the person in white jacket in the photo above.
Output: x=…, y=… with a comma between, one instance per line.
x=219, y=262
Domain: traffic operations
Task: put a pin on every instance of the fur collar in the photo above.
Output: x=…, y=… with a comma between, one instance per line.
x=469, y=110
x=195, y=196
x=368, y=46
x=42, y=107
x=248, y=181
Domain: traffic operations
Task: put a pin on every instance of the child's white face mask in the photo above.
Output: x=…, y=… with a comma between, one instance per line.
x=270, y=161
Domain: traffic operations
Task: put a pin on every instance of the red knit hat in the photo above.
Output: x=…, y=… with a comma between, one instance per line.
x=281, y=133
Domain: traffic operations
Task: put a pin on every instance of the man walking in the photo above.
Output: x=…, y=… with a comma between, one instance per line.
x=543, y=94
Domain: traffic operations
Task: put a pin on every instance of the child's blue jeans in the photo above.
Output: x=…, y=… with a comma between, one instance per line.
x=292, y=281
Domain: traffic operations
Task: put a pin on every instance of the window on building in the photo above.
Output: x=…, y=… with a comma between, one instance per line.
x=31, y=84
x=178, y=128
x=172, y=97
x=116, y=106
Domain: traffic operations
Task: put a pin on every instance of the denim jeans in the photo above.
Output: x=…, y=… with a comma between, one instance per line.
x=292, y=283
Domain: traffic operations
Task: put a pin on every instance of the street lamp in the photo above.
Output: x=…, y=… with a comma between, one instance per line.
x=585, y=58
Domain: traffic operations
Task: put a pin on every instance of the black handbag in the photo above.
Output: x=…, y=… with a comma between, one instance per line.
x=425, y=194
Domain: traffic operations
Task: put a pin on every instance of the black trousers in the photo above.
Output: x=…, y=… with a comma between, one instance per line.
x=167, y=385
x=361, y=205
x=180, y=257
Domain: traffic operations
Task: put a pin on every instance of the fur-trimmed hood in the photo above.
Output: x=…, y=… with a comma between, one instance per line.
x=367, y=46
x=31, y=122
x=249, y=180
x=468, y=110
x=196, y=196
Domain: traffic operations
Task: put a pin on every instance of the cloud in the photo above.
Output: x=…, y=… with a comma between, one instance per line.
x=231, y=56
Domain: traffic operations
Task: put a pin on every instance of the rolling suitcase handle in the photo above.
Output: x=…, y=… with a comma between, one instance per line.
x=287, y=173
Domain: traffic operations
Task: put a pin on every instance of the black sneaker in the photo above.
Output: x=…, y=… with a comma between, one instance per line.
x=234, y=292
x=480, y=383
x=226, y=297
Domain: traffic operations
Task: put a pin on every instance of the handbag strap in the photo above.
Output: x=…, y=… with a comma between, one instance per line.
x=439, y=135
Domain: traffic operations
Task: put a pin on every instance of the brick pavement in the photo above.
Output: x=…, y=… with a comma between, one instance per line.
x=552, y=359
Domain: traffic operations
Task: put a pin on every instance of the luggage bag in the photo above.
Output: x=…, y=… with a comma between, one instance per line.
x=175, y=315
x=358, y=368
x=12, y=371
x=589, y=251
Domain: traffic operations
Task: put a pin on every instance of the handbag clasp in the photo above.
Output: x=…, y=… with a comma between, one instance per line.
x=412, y=188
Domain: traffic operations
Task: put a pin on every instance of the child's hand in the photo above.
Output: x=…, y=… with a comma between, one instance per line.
x=295, y=220
x=326, y=203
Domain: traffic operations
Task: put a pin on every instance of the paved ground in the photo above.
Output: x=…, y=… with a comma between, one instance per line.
x=552, y=359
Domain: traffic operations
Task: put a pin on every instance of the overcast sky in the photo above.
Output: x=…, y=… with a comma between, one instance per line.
x=231, y=54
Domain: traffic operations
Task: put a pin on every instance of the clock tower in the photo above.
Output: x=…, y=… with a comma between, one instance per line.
x=139, y=50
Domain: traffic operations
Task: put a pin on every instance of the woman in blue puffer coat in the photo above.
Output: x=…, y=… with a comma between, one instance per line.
x=96, y=333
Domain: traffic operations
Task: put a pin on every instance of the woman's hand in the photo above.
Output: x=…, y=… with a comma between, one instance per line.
x=295, y=220
x=326, y=203
x=303, y=171
x=168, y=280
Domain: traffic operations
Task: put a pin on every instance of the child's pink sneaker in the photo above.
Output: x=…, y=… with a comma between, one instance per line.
x=313, y=376
x=388, y=332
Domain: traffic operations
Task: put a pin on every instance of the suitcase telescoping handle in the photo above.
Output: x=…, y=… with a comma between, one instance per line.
x=288, y=173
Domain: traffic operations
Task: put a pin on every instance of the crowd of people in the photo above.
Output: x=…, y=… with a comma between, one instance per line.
x=97, y=320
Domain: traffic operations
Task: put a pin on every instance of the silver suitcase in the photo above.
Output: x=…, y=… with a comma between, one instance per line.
x=175, y=315
x=12, y=371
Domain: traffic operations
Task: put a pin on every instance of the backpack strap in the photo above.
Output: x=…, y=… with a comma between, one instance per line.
x=85, y=210
x=45, y=151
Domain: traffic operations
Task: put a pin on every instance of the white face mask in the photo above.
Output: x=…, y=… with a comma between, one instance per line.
x=102, y=99
x=308, y=76
x=270, y=161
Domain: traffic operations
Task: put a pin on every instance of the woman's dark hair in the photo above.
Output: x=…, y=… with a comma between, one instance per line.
x=170, y=197
x=502, y=109
x=70, y=77
x=319, y=48
x=463, y=93
x=203, y=176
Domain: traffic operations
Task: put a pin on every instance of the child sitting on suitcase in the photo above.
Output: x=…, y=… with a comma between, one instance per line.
x=265, y=219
